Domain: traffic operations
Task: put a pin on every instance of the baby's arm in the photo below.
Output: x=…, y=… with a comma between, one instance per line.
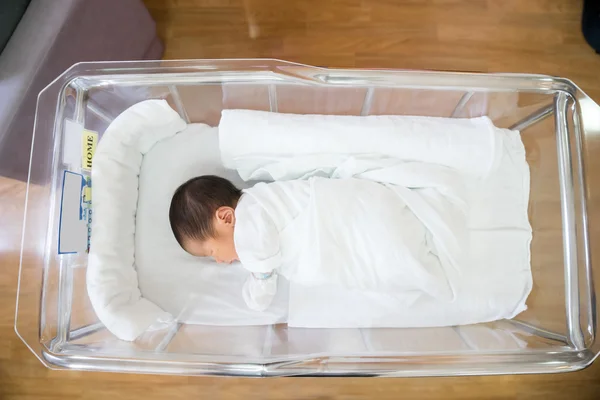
x=257, y=245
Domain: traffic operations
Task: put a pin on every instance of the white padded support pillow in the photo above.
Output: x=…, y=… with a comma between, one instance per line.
x=112, y=281
x=138, y=277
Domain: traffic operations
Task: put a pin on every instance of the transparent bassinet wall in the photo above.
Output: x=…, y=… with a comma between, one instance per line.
x=560, y=127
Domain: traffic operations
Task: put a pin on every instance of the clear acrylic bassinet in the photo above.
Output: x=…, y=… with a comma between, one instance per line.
x=560, y=128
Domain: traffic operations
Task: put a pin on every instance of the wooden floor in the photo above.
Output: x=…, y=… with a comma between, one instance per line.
x=536, y=36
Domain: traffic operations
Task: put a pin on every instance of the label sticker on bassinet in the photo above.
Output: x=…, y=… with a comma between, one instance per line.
x=74, y=215
x=72, y=143
x=88, y=144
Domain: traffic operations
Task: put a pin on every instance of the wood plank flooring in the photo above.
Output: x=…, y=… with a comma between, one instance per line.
x=534, y=36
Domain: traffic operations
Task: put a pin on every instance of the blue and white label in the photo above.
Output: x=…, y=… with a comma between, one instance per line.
x=75, y=214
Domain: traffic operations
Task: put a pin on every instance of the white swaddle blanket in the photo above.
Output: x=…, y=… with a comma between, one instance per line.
x=431, y=165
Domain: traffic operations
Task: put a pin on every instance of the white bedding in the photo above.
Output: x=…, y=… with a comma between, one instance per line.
x=138, y=275
x=112, y=281
x=461, y=173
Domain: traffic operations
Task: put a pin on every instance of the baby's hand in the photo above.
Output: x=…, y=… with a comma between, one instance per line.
x=259, y=291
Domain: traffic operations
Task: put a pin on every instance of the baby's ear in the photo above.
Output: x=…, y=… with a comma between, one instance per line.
x=226, y=214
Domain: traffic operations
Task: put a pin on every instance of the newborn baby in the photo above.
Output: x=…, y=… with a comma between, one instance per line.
x=320, y=231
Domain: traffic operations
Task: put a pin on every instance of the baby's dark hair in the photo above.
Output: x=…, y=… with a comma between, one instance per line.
x=195, y=203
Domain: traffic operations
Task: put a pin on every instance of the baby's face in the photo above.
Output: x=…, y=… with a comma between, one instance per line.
x=222, y=246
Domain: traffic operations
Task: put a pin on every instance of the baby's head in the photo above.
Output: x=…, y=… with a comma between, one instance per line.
x=202, y=217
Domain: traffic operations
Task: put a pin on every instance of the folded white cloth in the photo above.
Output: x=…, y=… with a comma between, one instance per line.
x=434, y=166
x=251, y=140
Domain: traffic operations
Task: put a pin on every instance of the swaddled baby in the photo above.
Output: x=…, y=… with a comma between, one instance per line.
x=320, y=231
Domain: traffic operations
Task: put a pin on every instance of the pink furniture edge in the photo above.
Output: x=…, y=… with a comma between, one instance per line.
x=51, y=37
